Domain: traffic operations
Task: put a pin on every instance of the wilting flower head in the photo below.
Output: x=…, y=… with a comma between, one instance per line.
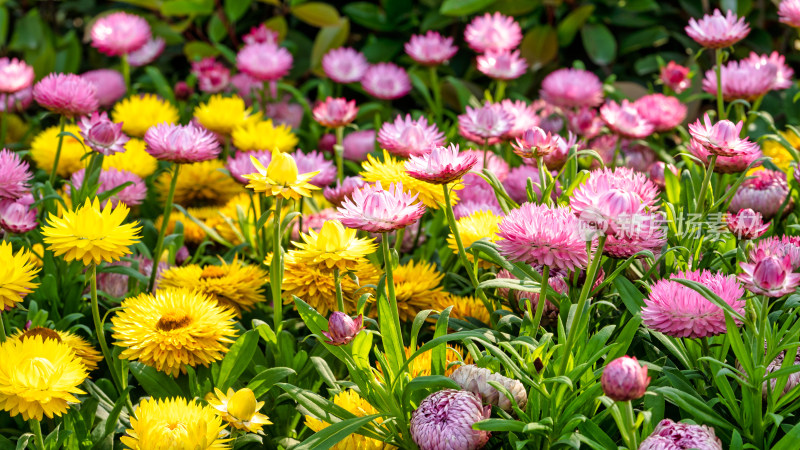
x=675, y=76
x=281, y=177
x=386, y=81
x=102, y=135
x=670, y=435
x=66, y=94
x=160, y=423
x=408, y=137
x=718, y=31
x=111, y=178
x=431, y=48
x=239, y=409
x=523, y=117
x=240, y=164
x=358, y=144
x=584, y=122
x=14, y=175
x=502, y=65
x=17, y=217
x=119, y=33
x=442, y=165
x=764, y=194
x=344, y=65
x=109, y=85
x=444, y=420
x=376, y=210
x=789, y=13
x=746, y=224
x=265, y=62
x=664, y=112
x=680, y=311
x=475, y=379
x=493, y=32
x=335, y=112
x=260, y=35
x=626, y=120
x=181, y=143
x=722, y=138
x=624, y=379
x=727, y=164
x=15, y=75
x=745, y=80
x=484, y=123
x=570, y=88
x=212, y=75
x=769, y=275
x=315, y=161
x=147, y=53
x=535, y=143
x=342, y=329
x=337, y=194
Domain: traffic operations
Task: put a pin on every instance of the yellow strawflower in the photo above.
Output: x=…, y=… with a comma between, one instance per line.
x=134, y=159
x=200, y=184
x=222, y=114
x=16, y=275
x=140, y=112
x=83, y=349
x=45, y=144
x=280, y=178
x=353, y=403
x=464, y=307
x=334, y=246
x=175, y=424
x=256, y=134
x=239, y=409
x=417, y=286
x=474, y=227
x=392, y=170
x=192, y=233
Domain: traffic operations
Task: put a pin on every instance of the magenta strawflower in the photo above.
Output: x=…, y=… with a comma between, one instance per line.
x=663, y=112
x=445, y=419
x=542, y=235
x=625, y=120
x=408, y=137
x=638, y=156
x=516, y=184
x=584, y=122
x=643, y=231
x=769, y=275
x=315, y=161
x=431, y=48
x=18, y=101
x=679, y=311
x=261, y=35
x=66, y=94
x=109, y=85
x=14, y=175
x=376, y=210
x=111, y=178
x=656, y=173
x=342, y=329
x=783, y=73
x=502, y=64
x=669, y=435
x=779, y=246
x=181, y=143
x=728, y=164
x=17, y=217
x=722, y=138
x=535, y=143
x=488, y=122
x=624, y=379
x=264, y=62
x=600, y=181
x=119, y=33
x=344, y=65
x=523, y=117
x=745, y=80
x=342, y=190
x=241, y=164
x=15, y=75
x=147, y=53
x=358, y=144
x=571, y=88
x=675, y=77
x=335, y=112
x=386, y=81
x=605, y=145
x=718, y=31
x=556, y=159
x=101, y=134
x=493, y=32
x=442, y=165
x=746, y=224
x=765, y=194
x=212, y=75
x=285, y=113
x=789, y=13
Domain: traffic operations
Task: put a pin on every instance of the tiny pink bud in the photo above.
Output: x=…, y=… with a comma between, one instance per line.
x=342, y=329
x=183, y=91
x=769, y=273
x=746, y=224
x=624, y=379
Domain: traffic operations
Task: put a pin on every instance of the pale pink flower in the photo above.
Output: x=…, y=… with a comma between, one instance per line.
x=111, y=178
x=442, y=165
x=746, y=224
x=119, y=33
x=313, y=221
x=789, y=12
x=212, y=75
x=765, y=194
x=722, y=138
x=15, y=75
x=644, y=231
x=264, y=62
x=285, y=113
x=523, y=117
x=101, y=134
x=342, y=329
x=315, y=161
x=624, y=379
x=728, y=164
x=342, y=190
x=181, y=143
x=444, y=421
x=502, y=65
x=769, y=275
x=742, y=80
x=480, y=381
x=605, y=145
x=571, y=88
x=386, y=81
x=680, y=311
x=664, y=112
x=493, y=163
x=247, y=87
x=584, y=122
x=376, y=210
x=784, y=73
x=516, y=184
x=466, y=208
x=656, y=173
x=431, y=48
x=493, y=32
x=358, y=144
x=718, y=31
x=66, y=94
x=147, y=53
x=15, y=175
x=335, y=112
x=18, y=101
x=261, y=35
x=407, y=137
x=344, y=65
x=675, y=77
x=17, y=217
x=535, y=143
x=109, y=85
x=625, y=120
x=669, y=435
x=779, y=246
x=241, y=164
x=488, y=122
x=556, y=159
x=638, y=156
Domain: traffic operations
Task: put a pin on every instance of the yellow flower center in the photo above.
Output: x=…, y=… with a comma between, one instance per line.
x=282, y=169
x=242, y=404
x=45, y=333
x=173, y=320
x=40, y=368
x=333, y=237
x=212, y=272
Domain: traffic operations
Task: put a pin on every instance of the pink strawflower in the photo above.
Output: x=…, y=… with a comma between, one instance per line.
x=543, y=235
x=212, y=75
x=18, y=101
x=312, y=162
x=15, y=75
x=14, y=175
x=247, y=87
x=241, y=164
x=625, y=120
x=746, y=224
x=624, y=379
x=386, y=81
x=605, y=145
x=784, y=73
x=358, y=144
x=328, y=140
x=572, y=88
x=535, y=143
x=342, y=329
x=376, y=210
x=769, y=275
x=342, y=190
x=442, y=165
x=718, y=31
x=345, y=65
x=261, y=35
x=285, y=113
x=656, y=173
x=483, y=124
x=264, y=62
x=490, y=161
x=445, y=419
x=643, y=231
x=663, y=112
x=584, y=122
x=765, y=194
x=17, y=217
x=101, y=134
x=516, y=184
x=335, y=112
x=147, y=53
x=742, y=80
x=502, y=65
x=789, y=13
x=722, y=138
x=638, y=156
x=556, y=159
x=66, y=94
x=119, y=33
x=408, y=137
x=111, y=178
x=675, y=77
x=466, y=208
x=586, y=196
x=523, y=117
x=680, y=311
x=109, y=85
x=431, y=48
x=728, y=164
x=493, y=32
x=779, y=246
x=181, y=143
x=550, y=116
x=670, y=435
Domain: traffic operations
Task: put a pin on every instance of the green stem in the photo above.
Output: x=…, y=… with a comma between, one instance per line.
x=226, y=149
x=398, y=239
x=337, y=281
x=388, y=262
x=126, y=72
x=2, y=328
x=500, y=91
x=437, y=94
x=164, y=223
x=627, y=428
x=542, y=180
x=276, y=268
x=718, y=70
x=701, y=199
x=38, y=440
x=62, y=122
x=4, y=124
x=338, y=153
x=542, y=299
x=485, y=152
x=451, y=220
x=617, y=149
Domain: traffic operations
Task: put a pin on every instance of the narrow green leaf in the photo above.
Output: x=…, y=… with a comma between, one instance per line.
x=237, y=359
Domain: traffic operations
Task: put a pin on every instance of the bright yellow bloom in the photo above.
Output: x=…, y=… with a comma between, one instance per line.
x=16, y=275
x=90, y=234
x=45, y=144
x=192, y=233
x=140, y=112
x=779, y=155
x=256, y=134
x=392, y=170
x=37, y=253
x=474, y=227
x=353, y=403
x=134, y=159
x=280, y=177
x=175, y=424
x=235, y=285
x=334, y=246
x=239, y=409
x=222, y=114
x=82, y=348
x=464, y=307
x=421, y=365
x=200, y=184
x=417, y=286
x=39, y=377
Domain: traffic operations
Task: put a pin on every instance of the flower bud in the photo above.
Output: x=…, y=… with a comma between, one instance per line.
x=242, y=404
x=183, y=91
x=282, y=169
x=746, y=224
x=624, y=379
x=342, y=329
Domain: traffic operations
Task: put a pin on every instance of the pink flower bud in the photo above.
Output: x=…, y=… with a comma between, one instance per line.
x=746, y=224
x=624, y=379
x=342, y=328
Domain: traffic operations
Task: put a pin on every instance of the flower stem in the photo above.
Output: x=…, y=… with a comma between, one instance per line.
x=485, y=152
x=276, y=267
x=164, y=223
x=337, y=282
x=451, y=220
x=500, y=91
x=718, y=70
x=38, y=440
x=626, y=427
x=437, y=94
x=542, y=180
x=701, y=199
x=617, y=149
x=62, y=122
x=2, y=328
x=542, y=298
x=338, y=153
x=126, y=72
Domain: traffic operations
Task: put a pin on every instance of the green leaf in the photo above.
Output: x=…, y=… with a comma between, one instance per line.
x=328, y=38
x=317, y=14
x=789, y=441
x=162, y=85
x=439, y=353
x=631, y=297
x=539, y=46
x=196, y=50
x=335, y=432
x=3, y=25
x=216, y=29
x=463, y=7
x=694, y=406
x=367, y=15
x=647, y=38
x=237, y=359
x=569, y=26
x=599, y=43
x=187, y=7
x=263, y=382
x=500, y=425
x=156, y=384
x=278, y=23
x=235, y=9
